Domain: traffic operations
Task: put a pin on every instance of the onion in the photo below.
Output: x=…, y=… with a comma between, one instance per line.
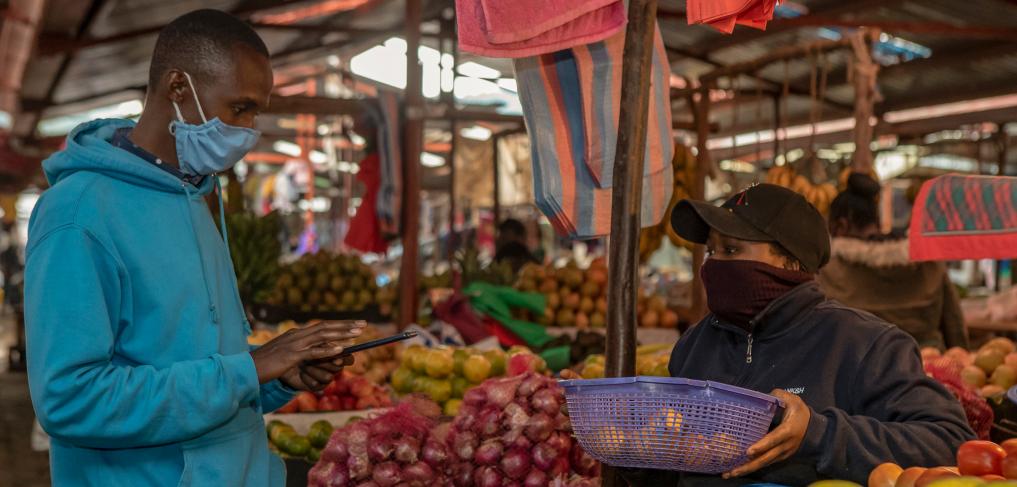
x=515, y=464
x=360, y=467
x=407, y=449
x=475, y=397
x=336, y=451
x=462, y=475
x=386, y=474
x=321, y=475
x=489, y=452
x=582, y=463
x=490, y=422
x=563, y=423
x=434, y=453
x=419, y=471
x=487, y=476
x=516, y=416
x=465, y=444
x=561, y=442
x=559, y=467
x=383, y=429
x=531, y=384
x=380, y=449
x=544, y=456
x=535, y=478
x=500, y=392
x=540, y=427
x=358, y=435
x=521, y=442
x=546, y=401
x=369, y=483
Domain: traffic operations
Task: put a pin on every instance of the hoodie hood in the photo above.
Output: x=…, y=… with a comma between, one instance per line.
x=872, y=253
x=89, y=148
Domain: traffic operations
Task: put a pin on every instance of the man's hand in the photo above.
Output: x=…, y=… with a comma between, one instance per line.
x=316, y=343
x=314, y=376
x=783, y=441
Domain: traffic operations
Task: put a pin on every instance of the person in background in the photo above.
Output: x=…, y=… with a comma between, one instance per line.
x=512, y=245
x=873, y=272
x=138, y=364
x=854, y=388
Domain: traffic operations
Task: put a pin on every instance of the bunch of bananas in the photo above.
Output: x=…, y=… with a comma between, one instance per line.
x=819, y=195
x=255, y=248
x=683, y=163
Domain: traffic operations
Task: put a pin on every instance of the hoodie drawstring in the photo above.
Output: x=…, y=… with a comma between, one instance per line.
x=201, y=257
x=222, y=217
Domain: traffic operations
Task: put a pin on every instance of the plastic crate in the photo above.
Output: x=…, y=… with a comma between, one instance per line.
x=668, y=423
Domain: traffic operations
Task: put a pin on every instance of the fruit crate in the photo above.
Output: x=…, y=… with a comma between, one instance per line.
x=274, y=314
x=668, y=423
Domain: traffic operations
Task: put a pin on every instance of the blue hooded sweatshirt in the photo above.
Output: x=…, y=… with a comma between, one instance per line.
x=138, y=362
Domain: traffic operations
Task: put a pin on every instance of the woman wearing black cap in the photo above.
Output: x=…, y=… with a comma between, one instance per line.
x=873, y=272
x=854, y=386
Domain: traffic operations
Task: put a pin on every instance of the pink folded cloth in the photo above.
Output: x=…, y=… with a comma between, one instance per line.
x=523, y=28
x=521, y=20
x=723, y=15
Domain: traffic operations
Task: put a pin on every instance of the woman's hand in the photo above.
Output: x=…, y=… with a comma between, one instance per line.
x=286, y=354
x=783, y=441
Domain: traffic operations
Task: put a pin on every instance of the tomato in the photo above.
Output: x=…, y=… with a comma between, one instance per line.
x=909, y=476
x=329, y=403
x=980, y=458
x=1009, y=467
x=306, y=402
x=993, y=477
x=933, y=474
x=290, y=407
x=885, y=475
x=1010, y=446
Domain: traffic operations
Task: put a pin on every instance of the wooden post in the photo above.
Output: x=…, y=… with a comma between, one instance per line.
x=626, y=199
x=865, y=71
x=1001, y=149
x=448, y=31
x=698, y=192
x=497, y=181
x=413, y=131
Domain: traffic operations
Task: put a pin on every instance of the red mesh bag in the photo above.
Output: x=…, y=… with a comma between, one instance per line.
x=947, y=372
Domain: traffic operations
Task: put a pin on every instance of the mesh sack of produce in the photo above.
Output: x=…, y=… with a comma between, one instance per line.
x=978, y=412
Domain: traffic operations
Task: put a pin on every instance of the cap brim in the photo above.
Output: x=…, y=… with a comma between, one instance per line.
x=692, y=220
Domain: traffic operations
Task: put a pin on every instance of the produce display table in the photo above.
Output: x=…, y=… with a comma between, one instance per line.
x=301, y=422
x=643, y=335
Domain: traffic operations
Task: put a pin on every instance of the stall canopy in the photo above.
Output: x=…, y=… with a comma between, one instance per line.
x=93, y=54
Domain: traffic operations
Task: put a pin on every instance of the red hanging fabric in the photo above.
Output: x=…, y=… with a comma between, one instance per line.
x=365, y=227
x=723, y=15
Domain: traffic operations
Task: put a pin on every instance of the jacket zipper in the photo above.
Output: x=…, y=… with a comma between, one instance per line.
x=748, y=351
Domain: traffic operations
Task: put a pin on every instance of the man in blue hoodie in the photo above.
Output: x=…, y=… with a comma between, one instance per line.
x=138, y=362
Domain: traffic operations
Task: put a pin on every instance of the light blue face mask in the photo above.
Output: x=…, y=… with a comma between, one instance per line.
x=211, y=147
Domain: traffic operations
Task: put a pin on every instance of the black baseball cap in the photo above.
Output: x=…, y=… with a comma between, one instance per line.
x=762, y=213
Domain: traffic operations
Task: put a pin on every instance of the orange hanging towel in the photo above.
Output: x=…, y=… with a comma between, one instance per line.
x=723, y=15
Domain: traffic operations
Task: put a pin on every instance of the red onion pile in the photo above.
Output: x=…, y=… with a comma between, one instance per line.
x=510, y=432
x=395, y=448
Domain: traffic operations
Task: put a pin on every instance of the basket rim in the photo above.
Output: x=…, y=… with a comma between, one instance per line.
x=612, y=381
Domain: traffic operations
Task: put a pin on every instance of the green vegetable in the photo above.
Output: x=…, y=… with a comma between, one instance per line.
x=295, y=445
x=313, y=454
x=319, y=433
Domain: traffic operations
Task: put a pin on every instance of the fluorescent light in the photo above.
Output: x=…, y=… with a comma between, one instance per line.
x=357, y=139
x=476, y=70
x=476, y=132
x=508, y=84
x=323, y=129
x=935, y=111
x=737, y=166
x=317, y=157
x=428, y=159
x=287, y=147
x=5, y=120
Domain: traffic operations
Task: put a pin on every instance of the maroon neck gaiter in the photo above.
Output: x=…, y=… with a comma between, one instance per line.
x=738, y=290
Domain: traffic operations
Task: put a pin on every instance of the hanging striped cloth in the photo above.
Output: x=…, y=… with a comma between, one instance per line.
x=570, y=102
x=391, y=166
x=965, y=217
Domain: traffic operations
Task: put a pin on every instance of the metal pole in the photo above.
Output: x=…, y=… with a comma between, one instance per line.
x=698, y=192
x=497, y=181
x=626, y=198
x=412, y=144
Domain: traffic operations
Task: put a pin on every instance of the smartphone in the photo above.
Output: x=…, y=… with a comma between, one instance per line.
x=360, y=347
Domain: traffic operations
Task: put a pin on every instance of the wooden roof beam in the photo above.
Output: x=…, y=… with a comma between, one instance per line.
x=923, y=27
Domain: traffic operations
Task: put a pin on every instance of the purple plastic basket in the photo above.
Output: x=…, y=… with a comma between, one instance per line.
x=668, y=423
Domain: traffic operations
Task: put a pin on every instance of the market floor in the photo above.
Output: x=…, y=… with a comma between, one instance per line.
x=19, y=465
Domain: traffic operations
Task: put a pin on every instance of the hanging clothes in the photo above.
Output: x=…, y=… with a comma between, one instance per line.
x=723, y=15
x=390, y=165
x=365, y=226
x=571, y=105
x=520, y=28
